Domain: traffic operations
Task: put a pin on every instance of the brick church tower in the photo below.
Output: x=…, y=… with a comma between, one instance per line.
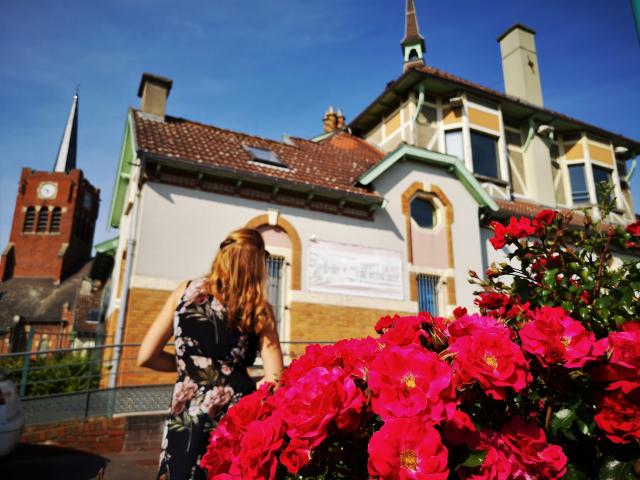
x=54, y=217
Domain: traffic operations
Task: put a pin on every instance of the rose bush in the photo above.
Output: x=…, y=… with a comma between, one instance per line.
x=542, y=383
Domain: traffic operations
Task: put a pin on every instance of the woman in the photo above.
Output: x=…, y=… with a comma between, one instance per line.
x=218, y=322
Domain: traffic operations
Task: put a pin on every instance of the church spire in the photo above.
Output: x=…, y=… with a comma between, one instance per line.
x=413, y=46
x=67, y=152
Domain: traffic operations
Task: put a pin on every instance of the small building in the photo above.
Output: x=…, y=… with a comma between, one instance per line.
x=384, y=214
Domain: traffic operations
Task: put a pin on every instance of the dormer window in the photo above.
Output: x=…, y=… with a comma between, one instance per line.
x=267, y=157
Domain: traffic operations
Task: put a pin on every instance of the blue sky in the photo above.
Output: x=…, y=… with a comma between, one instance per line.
x=270, y=67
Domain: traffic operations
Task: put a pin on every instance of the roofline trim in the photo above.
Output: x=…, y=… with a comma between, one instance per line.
x=228, y=172
x=107, y=245
x=119, y=190
x=453, y=164
x=495, y=95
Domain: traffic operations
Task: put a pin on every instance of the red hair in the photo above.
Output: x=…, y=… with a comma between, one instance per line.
x=237, y=279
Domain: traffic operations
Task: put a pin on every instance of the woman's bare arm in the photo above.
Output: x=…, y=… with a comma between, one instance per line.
x=271, y=354
x=151, y=353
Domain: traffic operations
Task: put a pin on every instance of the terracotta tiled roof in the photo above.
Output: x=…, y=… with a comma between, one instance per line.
x=495, y=93
x=333, y=164
x=405, y=79
x=531, y=209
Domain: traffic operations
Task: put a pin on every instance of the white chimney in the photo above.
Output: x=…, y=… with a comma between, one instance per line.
x=520, y=64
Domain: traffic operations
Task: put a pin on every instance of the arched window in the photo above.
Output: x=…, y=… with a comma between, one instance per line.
x=55, y=219
x=43, y=220
x=29, y=219
x=423, y=213
x=413, y=54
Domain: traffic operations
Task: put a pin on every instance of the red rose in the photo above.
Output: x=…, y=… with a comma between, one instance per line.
x=459, y=312
x=500, y=233
x=410, y=381
x=495, y=466
x=351, y=401
x=258, y=448
x=357, y=354
x=618, y=412
x=296, y=455
x=222, y=455
x=405, y=331
x=634, y=229
x=525, y=444
x=517, y=228
x=500, y=305
x=313, y=402
x=460, y=430
x=493, y=360
x=385, y=322
x=405, y=448
x=520, y=451
x=585, y=297
x=326, y=356
x=624, y=361
x=555, y=338
x=470, y=324
x=543, y=219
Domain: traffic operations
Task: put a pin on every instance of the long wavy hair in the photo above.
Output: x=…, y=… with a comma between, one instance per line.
x=237, y=278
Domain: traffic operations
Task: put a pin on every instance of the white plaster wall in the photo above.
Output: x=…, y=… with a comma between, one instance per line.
x=467, y=250
x=490, y=255
x=180, y=229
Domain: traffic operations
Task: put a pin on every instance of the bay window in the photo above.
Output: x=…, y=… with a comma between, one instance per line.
x=600, y=175
x=579, y=189
x=453, y=143
x=484, y=152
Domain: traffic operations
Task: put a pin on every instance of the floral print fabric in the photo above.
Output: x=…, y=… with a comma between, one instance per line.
x=212, y=360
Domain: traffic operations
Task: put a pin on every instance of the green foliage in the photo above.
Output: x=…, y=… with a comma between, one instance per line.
x=590, y=268
x=63, y=373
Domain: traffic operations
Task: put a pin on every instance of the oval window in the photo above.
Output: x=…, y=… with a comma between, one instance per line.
x=423, y=213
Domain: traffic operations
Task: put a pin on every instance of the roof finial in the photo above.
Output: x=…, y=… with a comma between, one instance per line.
x=413, y=46
x=66, y=159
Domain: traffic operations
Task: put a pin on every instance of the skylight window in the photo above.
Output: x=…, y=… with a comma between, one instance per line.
x=262, y=155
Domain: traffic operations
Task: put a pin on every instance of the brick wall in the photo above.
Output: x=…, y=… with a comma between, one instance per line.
x=102, y=434
x=315, y=322
x=143, y=307
x=97, y=435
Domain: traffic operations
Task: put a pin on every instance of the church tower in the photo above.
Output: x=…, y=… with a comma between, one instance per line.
x=413, y=46
x=54, y=217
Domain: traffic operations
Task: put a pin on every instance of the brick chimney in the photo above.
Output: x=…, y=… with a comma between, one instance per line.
x=520, y=64
x=153, y=92
x=330, y=121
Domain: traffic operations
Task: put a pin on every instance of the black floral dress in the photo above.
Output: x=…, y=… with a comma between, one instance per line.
x=212, y=361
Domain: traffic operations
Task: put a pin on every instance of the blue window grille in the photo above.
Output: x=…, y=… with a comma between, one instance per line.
x=275, y=287
x=428, y=293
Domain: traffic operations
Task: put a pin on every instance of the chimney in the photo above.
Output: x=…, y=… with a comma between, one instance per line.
x=340, y=119
x=153, y=92
x=330, y=121
x=520, y=64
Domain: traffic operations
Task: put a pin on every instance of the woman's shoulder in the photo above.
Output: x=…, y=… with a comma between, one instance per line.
x=194, y=289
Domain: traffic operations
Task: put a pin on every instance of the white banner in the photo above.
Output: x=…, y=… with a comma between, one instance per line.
x=354, y=270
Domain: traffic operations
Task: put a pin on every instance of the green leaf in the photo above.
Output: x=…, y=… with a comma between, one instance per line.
x=613, y=469
x=475, y=459
x=549, y=277
x=574, y=473
x=562, y=420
